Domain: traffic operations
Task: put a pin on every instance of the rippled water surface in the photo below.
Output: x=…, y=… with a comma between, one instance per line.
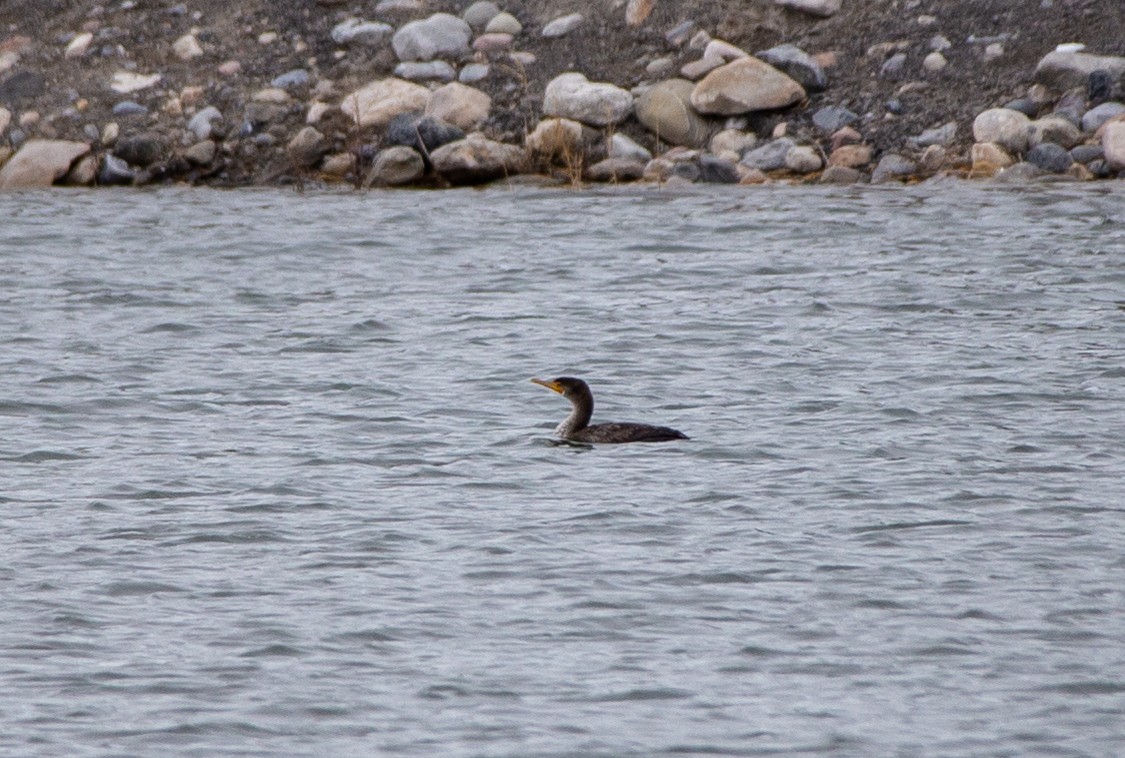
x=274, y=481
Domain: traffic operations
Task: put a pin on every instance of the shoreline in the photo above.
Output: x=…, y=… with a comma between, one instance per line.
x=410, y=93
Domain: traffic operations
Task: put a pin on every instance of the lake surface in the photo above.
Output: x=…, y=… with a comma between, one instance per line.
x=274, y=481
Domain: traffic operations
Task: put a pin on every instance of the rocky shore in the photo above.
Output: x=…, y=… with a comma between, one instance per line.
x=433, y=93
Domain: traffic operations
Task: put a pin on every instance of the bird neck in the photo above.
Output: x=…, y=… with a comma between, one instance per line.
x=579, y=418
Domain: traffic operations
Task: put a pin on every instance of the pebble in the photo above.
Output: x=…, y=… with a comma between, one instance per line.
x=187, y=47
x=395, y=166
x=770, y=156
x=573, y=96
x=622, y=146
x=840, y=175
x=229, y=68
x=699, y=40
x=1087, y=153
x=439, y=35
x=140, y=149
x=115, y=171
x=1113, y=144
x=354, y=31
x=307, y=147
x=893, y=66
x=79, y=45
x=850, y=156
x=200, y=123
x=821, y=8
x=504, y=23
x=465, y=107
x=716, y=170
x=1007, y=128
x=267, y=38
x=1092, y=120
x=892, y=167
x=803, y=160
x=562, y=25
x=660, y=66
x=733, y=140
x=796, y=63
x=201, y=153
x=129, y=108
x=697, y=69
x=678, y=35
x=940, y=44
x=617, y=169
x=993, y=52
x=1024, y=105
x=381, y=100
x=665, y=110
x=1056, y=129
x=743, y=86
x=475, y=160
x=90, y=132
x=428, y=71
x=942, y=135
x=492, y=42
x=832, y=118
x=5, y=118
x=298, y=77
x=423, y=133
x=271, y=95
x=125, y=82
x=845, y=135
x=987, y=158
x=934, y=62
x=478, y=14
x=110, y=132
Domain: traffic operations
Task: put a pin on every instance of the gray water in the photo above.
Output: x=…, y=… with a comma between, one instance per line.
x=274, y=481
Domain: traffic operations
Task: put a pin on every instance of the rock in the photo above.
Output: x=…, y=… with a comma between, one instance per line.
x=1055, y=129
x=1063, y=70
x=560, y=140
x=125, y=82
x=267, y=38
x=993, y=51
x=939, y=43
x=797, y=64
x=479, y=14
x=22, y=85
x=423, y=133
x=840, y=175
x=850, y=156
x=660, y=66
x=822, y=8
x=439, y=35
x=892, y=167
x=337, y=165
x=396, y=166
x=316, y=112
x=734, y=141
x=701, y=67
x=616, y=170
x=1113, y=144
x=1050, y=157
x=1087, y=153
x=1071, y=106
x=5, y=118
x=845, y=135
x=743, y=86
x=271, y=96
x=187, y=47
x=115, y=171
x=464, y=107
x=770, y=156
x=987, y=158
x=803, y=160
x=933, y=158
x=893, y=66
x=679, y=34
x=110, y=132
x=715, y=170
x=934, y=62
x=1092, y=120
x=665, y=110
x=562, y=25
x=229, y=68
x=1019, y=173
x=40, y=163
x=621, y=146
x=1099, y=87
x=1007, y=128
x=832, y=118
x=200, y=123
x=380, y=101
x=140, y=149
x=942, y=135
x=353, y=31
x=504, y=23
x=201, y=153
x=129, y=108
x=1024, y=105
x=307, y=147
x=572, y=96
x=474, y=72
x=1100, y=169
x=752, y=175
x=475, y=160
x=637, y=11
x=79, y=45
x=724, y=50
x=298, y=77
x=83, y=173
x=429, y=71
x=522, y=58
x=492, y=42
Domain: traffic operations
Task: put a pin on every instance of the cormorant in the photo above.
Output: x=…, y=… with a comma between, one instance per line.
x=577, y=427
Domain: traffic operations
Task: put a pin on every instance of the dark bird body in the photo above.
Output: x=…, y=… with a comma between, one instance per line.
x=577, y=427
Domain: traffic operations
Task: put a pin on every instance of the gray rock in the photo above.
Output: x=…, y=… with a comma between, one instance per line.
x=734, y=141
x=1020, y=173
x=474, y=72
x=1050, y=157
x=832, y=118
x=1054, y=128
x=22, y=85
x=621, y=146
x=942, y=135
x=115, y=171
x=200, y=123
x=381, y=100
x=1098, y=115
x=563, y=25
x=893, y=167
x=894, y=65
x=665, y=110
x=429, y=71
x=1099, y=87
x=715, y=170
x=40, y=163
x=396, y=166
x=1061, y=70
x=439, y=35
x=201, y=153
x=1007, y=128
x=1101, y=169
x=743, y=86
x=821, y=8
x=475, y=160
x=1071, y=106
x=678, y=35
x=770, y=156
x=353, y=31
x=619, y=169
x=423, y=133
x=464, y=107
x=479, y=14
x=504, y=23
x=298, y=77
x=1113, y=143
x=1024, y=105
x=840, y=175
x=129, y=108
x=803, y=160
x=140, y=149
x=1086, y=154
x=795, y=62
x=573, y=96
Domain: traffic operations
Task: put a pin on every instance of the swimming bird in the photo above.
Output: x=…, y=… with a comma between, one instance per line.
x=577, y=426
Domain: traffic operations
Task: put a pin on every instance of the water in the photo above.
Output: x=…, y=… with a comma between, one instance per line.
x=274, y=481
